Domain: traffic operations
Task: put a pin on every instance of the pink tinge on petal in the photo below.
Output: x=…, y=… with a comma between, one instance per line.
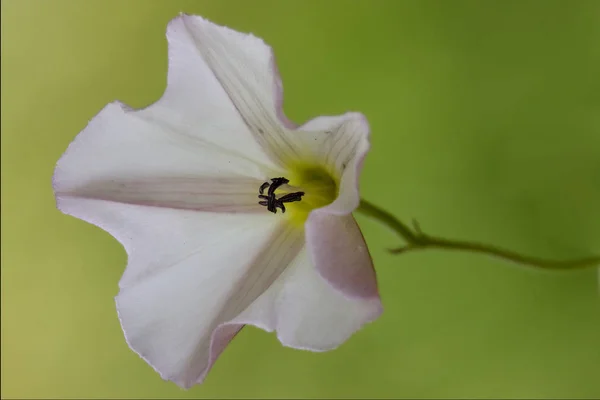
x=199, y=193
x=339, y=252
x=307, y=312
x=221, y=337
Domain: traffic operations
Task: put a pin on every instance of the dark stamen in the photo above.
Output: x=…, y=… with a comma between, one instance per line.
x=262, y=187
x=275, y=183
x=271, y=201
x=290, y=197
x=280, y=205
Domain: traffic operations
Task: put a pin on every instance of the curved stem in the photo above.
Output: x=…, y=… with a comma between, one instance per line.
x=417, y=240
x=387, y=219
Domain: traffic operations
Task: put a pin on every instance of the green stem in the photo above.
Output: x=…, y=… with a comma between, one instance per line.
x=417, y=240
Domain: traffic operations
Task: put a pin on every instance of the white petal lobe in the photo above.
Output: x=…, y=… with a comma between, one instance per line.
x=244, y=67
x=341, y=144
x=177, y=318
x=118, y=145
x=308, y=313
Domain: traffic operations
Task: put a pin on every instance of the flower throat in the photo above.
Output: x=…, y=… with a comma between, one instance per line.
x=312, y=187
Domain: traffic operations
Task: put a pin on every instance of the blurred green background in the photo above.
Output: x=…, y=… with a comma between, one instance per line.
x=486, y=126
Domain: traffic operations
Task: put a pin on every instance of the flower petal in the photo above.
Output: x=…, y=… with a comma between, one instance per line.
x=177, y=318
x=339, y=252
x=306, y=312
x=210, y=194
x=205, y=55
x=130, y=157
x=341, y=143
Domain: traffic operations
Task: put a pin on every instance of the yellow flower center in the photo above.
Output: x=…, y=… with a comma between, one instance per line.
x=320, y=188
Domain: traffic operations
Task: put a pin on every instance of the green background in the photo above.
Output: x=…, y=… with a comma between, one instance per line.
x=486, y=126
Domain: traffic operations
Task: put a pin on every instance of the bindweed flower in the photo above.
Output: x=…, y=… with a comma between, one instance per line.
x=229, y=213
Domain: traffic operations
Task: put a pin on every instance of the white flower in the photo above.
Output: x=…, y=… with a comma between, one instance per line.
x=177, y=183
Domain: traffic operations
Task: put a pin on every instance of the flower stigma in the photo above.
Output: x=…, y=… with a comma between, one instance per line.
x=308, y=187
